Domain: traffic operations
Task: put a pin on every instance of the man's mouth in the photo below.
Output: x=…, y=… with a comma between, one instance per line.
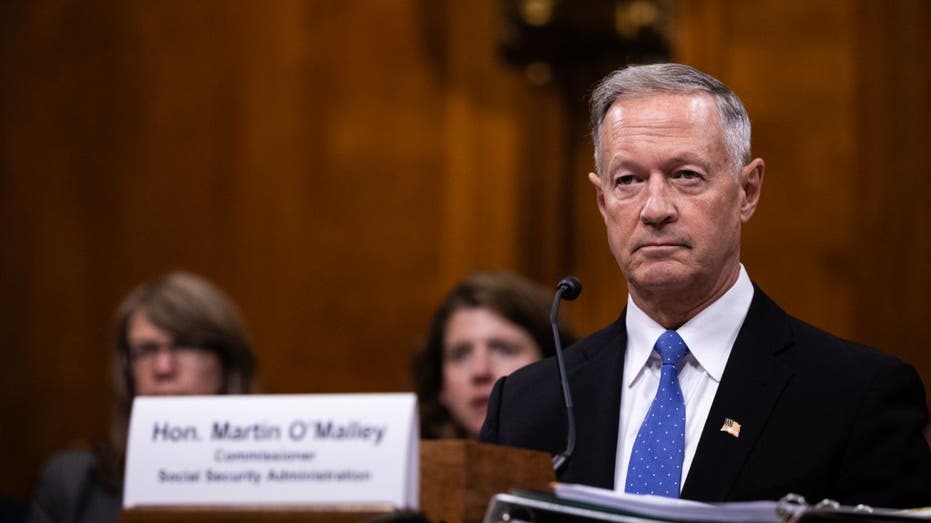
x=660, y=246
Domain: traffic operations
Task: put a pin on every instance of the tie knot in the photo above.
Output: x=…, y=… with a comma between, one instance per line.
x=671, y=348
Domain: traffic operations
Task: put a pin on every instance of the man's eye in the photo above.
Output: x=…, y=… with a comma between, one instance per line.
x=688, y=175
x=626, y=179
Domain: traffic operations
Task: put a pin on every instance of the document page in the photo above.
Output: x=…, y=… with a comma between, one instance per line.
x=670, y=508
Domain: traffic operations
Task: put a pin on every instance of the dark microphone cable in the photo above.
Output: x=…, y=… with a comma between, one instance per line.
x=568, y=289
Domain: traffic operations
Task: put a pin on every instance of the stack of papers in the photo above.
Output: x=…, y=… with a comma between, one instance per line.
x=679, y=509
x=790, y=508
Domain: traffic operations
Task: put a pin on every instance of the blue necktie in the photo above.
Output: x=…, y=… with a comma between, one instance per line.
x=655, y=465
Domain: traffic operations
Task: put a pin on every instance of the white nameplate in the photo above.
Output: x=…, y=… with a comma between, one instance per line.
x=320, y=449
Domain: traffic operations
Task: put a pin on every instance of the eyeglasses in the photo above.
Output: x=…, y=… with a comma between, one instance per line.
x=147, y=351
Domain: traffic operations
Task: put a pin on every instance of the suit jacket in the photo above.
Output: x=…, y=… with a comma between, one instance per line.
x=820, y=416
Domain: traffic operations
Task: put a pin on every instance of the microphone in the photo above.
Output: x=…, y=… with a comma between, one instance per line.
x=571, y=287
x=568, y=289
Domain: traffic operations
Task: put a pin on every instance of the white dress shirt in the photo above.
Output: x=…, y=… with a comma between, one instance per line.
x=709, y=336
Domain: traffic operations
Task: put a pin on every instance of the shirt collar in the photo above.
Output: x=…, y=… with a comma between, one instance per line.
x=709, y=335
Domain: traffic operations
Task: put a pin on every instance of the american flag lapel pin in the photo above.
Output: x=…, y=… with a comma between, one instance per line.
x=731, y=427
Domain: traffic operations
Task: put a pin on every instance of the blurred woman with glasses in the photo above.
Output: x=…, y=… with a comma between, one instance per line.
x=176, y=335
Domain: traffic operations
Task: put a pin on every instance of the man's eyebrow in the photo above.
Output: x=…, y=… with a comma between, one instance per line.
x=623, y=162
x=687, y=158
x=678, y=159
x=684, y=158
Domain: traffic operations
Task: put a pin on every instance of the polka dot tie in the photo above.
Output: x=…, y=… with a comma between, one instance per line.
x=655, y=465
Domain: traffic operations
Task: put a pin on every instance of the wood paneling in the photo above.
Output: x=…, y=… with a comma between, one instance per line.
x=334, y=165
x=892, y=220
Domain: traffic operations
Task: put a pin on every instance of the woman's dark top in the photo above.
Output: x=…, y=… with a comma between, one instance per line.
x=69, y=492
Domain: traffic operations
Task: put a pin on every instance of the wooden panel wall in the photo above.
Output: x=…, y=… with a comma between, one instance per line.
x=838, y=93
x=336, y=165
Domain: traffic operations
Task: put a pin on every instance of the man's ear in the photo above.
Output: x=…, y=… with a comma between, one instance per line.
x=599, y=192
x=751, y=185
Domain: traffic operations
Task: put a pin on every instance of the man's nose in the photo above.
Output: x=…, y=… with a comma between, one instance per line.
x=658, y=209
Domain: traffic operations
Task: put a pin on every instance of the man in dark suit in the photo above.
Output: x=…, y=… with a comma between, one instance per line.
x=704, y=388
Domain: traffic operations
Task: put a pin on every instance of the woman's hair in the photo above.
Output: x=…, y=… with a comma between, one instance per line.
x=514, y=298
x=197, y=314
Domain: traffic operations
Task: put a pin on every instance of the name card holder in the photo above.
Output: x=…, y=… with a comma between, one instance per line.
x=274, y=453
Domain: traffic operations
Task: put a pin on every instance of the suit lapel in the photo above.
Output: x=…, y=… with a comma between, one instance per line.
x=750, y=386
x=596, y=413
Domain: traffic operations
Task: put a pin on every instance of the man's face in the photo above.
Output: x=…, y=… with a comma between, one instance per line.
x=671, y=202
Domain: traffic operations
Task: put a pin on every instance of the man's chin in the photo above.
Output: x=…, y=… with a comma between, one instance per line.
x=660, y=277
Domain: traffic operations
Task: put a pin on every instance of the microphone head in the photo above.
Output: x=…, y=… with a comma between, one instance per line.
x=571, y=288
